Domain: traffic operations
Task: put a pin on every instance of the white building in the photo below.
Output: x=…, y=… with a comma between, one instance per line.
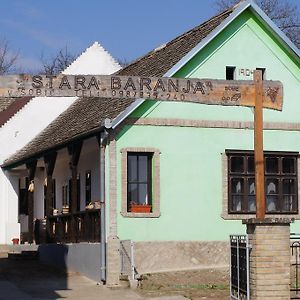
x=23, y=121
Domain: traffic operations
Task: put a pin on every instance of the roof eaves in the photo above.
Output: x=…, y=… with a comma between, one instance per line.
x=236, y=12
x=181, y=62
x=260, y=13
x=7, y=164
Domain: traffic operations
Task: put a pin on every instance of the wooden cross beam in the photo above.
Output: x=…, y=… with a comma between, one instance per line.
x=205, y=91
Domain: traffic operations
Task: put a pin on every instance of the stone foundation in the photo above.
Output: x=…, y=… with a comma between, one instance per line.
x=162, y=256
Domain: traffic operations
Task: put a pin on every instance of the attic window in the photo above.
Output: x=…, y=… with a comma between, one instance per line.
x=230, y=72
x=263, y=72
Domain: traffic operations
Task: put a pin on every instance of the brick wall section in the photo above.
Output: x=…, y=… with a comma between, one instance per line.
x=113, y=264
x=269, y=259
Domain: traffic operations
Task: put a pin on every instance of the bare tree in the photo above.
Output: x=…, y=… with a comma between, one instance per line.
x=8, y=59
x=282, y=12
x=57, y=63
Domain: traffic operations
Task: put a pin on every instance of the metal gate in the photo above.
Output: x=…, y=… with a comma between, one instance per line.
x=239, y=267
x=127, y=259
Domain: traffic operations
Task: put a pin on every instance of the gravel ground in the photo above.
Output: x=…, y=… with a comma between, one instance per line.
x=200, y=284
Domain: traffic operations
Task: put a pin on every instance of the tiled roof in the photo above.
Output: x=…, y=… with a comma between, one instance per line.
x=84, y=117
x=5, y=103
x=11, y=107
x=161, y=60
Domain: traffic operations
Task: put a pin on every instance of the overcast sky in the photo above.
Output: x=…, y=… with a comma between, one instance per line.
x=126, y=28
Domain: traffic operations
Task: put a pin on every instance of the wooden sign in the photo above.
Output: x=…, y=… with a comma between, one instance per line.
x=205, y=91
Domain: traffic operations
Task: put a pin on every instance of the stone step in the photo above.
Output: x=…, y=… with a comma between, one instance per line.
x=4, y=248
x=23, y=255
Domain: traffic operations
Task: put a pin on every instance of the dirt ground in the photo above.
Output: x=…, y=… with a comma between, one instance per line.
x=199, y=284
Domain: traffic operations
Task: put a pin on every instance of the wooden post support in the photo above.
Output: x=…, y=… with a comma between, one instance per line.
x=258, y=147
x=31, y=167
x=74, y=152
x=49, y=160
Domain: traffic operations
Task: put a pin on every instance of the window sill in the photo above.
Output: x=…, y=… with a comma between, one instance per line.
x=140, y=215
x=241, y=216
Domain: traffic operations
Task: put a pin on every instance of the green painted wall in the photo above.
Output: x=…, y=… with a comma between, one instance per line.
x=191, y=172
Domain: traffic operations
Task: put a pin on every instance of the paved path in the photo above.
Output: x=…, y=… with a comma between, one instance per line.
x=30, y=280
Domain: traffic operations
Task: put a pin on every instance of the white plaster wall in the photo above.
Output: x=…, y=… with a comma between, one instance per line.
x=14, y=135
x=38, y=196
x=61, y=174
x=29, y=121
x=89, y=160
x=9, y=227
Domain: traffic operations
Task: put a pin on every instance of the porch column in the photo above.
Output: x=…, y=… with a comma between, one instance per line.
x=49, y=160
x=74, y=153
x=31, y=167
x=269, y=258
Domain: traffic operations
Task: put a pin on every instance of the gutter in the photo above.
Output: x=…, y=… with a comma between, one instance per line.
x=103, y=141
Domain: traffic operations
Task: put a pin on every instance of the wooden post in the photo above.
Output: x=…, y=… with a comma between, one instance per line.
x=49, y=166
x=74, y=152
x=31, y=167
x=258, y=147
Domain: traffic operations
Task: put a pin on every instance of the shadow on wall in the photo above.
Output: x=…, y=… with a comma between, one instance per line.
x=83, y=258
x=56, y=255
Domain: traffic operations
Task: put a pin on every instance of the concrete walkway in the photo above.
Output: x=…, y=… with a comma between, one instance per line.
x=30, y=280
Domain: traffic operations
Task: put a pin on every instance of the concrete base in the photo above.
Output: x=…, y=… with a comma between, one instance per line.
x=83, y=257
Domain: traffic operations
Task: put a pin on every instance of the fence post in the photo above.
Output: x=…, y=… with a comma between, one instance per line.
x=269, y=258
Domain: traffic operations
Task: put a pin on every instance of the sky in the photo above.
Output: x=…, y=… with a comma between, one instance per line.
x=127, y=29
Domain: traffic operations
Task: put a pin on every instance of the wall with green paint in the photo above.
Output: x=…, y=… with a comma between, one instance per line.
x=191, y=171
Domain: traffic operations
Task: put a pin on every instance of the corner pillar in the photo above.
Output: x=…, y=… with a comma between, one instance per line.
x=113, y=263
x=269, y=258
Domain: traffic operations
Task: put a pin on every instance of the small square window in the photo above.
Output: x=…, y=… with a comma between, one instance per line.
x=263, y=73
x=230, y=73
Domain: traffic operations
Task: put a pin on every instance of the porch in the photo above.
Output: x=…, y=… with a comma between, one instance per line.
x=77, y=227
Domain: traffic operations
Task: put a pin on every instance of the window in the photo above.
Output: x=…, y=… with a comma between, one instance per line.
x=65, y=201
x=230, y=73
x=78, y=193
x=263, y=72
x=139, y=174
x=280, y=182
x=53, y=196
x=140, y=182
x=88, y=187
x=23, y=196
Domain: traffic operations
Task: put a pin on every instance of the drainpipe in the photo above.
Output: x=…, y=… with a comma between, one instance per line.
x=103, y=141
